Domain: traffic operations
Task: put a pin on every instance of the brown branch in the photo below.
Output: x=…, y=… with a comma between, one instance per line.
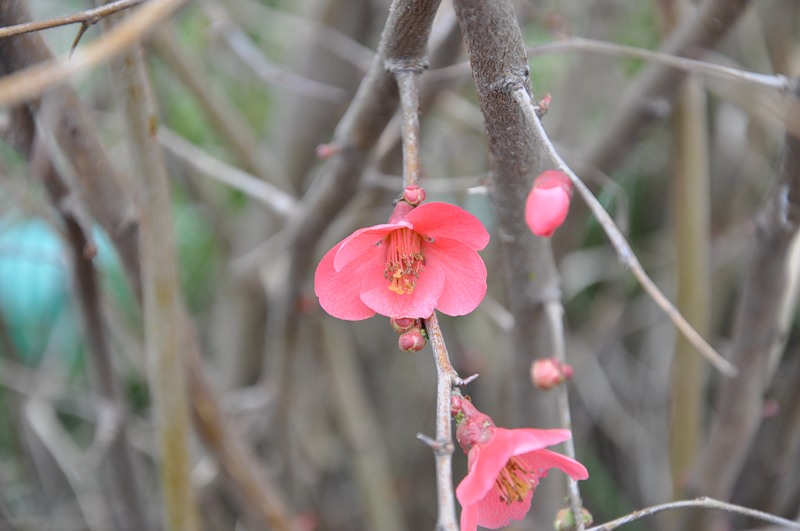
x=110, y=204
x=657, y=82
x=30, y=83
x=499, y=66
x=123, y=493
x=161, y=297
x=403, y=42
x=85, y=18
x=758, y=327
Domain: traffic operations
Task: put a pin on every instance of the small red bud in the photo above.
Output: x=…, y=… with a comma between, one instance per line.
x=412, y=340
x=403, y=324
x=455, y=405
x=548, y=373
x=414, y=194
x=326, y=151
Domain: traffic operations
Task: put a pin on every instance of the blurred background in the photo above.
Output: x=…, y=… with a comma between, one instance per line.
x=246, y=90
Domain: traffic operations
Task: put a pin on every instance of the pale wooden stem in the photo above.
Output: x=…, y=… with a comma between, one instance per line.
x=409, y=108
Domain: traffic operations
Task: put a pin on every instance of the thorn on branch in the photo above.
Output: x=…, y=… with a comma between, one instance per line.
x=461, y=382
x=443, y=447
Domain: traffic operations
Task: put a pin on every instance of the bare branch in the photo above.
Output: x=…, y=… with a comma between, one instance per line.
x=758, y=327
x=29, y=84
x=624, y=251
x=85, y=18
x=706, y=503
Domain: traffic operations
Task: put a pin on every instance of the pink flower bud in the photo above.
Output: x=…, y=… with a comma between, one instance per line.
x=565, y=520
x=414, y=195
x=455, y=405
x=403, y=324
x=549, y=372
x=412, y=341
x=548, y=203
x=326, y=151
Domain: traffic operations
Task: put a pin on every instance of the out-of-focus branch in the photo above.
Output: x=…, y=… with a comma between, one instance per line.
x=250, y=54
x=274, y=198
x=758, y=327
x=361, y=429
x=404, y=41
x=28, y=84
x=161, y=297
x=706, y=503
x=658, y=82
x=85, y=18
x=226, y=119
x=622, y=246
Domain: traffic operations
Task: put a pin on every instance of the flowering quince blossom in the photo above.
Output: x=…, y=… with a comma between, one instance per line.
x=505, y=467
x=424, y=258
x=548, y=202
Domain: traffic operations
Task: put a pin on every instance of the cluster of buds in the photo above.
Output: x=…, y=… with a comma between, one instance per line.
x=548, y=373
x=414, y=195
x=413, y=336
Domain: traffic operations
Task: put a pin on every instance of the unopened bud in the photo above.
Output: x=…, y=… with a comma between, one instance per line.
x=414, y=194
x=549, y=372
x=326, y=151
x=548, y=202
x=565, y=520
x=412, y=341
x=403, y=324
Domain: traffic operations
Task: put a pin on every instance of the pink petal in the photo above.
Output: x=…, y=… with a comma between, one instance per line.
x=465, y=275
x=420, y=303
x=469, y=518
x=493, y=513
x=443, y=220
x=338, y=292
x=546, y=208
x=524, y=440
x=362, y=242
x=485, y=463
x=546, y=459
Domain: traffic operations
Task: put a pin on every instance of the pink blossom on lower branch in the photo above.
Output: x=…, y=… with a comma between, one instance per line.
x=505, y=467
x=424, y=258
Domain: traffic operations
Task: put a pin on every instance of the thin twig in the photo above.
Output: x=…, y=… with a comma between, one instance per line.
x=443, y=446
x=251, y=55
x=86, y=18
x=555, y=314
x=276, y=199
x=708, y=503
x=775, y=81
x=624, y=251
x=409, y=107
x=28, y=84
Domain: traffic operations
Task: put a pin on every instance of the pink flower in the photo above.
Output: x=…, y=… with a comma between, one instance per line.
x=424, y=258
x=505, y=467
x=548, y=203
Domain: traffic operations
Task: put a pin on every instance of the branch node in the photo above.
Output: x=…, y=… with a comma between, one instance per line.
x=440, y=447
x=416, y=65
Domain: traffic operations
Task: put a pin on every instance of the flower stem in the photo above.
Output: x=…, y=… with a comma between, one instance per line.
x=409, y=104
x=443, y=444
x=555, y=312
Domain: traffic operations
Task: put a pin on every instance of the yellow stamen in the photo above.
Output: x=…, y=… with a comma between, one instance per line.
x=515, y=481
x=404, y=260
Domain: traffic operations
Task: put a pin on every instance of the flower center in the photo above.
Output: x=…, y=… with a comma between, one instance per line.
x=515, y=481
x=404, y=260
